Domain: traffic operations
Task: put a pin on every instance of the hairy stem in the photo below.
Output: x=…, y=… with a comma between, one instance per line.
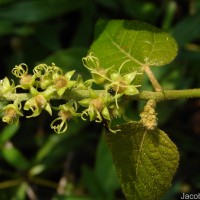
x=152, y=78
x=77, y=94
x=170, y=94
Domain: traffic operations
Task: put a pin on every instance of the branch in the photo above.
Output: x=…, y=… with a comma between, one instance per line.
x=77, y=94
x=152, y=78
x=169, y=94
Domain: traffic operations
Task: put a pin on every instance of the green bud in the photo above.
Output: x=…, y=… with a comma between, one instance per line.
x=6, y=86
x=115, y=76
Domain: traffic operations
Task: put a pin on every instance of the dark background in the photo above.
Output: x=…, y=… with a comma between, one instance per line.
x=36, y=163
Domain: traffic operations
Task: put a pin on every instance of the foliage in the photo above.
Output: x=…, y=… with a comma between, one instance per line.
x=145, y=160
x=36, y=163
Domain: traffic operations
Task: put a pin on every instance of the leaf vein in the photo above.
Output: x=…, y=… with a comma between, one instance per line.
x=123, y=51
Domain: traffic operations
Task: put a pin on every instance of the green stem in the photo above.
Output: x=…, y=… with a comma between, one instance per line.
x=169, y=94
x=78, y=95
x=152, y=78
x=11, y=183
x=44, y=182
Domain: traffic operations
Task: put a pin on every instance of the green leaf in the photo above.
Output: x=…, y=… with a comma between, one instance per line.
x=92, y=184
x=20, y=192
x=187, y=30
x=7, y=133
x=2, y=2
x=139, y=42
x=146, y=161
x=14, y=157
x=101, y=182
x=105, y=170
x=37, y=11
x=5, y=27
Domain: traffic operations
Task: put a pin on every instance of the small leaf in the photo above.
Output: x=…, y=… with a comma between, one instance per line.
x=146, y=161
x=8, y=132
x=139, y=42
x=14, y=157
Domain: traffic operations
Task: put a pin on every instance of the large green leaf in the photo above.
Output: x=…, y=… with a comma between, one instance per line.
x=101, y=182
x=105, y=170
x=141, y=43
x=146, y=161
x=184, y=35
x=37, y=11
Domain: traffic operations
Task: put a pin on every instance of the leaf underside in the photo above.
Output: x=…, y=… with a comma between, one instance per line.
x=145, y=161
x=141, y=43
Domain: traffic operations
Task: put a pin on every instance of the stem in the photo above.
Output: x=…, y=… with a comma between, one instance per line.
x=44, y=182
x=11, y=183
x=77, y=94
x=169, y=94
x=152, y=79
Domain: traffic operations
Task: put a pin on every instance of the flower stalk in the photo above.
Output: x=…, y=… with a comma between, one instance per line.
x=49, y=83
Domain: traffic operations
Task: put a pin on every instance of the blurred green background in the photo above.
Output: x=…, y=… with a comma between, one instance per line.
x=36, y=163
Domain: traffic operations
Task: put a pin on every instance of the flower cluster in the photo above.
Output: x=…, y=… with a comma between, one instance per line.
x=148, y=116
x=115, y=83
x=42, y=85
x=47, y=83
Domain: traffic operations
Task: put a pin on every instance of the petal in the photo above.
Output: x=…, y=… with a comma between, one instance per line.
x=105, y=113
x=69, y=74
x=61, y=91
x=92, y=114
x=48, y=108
x=131, y=90
x=85, y=102
x=129, y=77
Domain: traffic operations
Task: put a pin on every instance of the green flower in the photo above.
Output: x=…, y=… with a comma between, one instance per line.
x=53, y=76
x=26, y=80
x=39, y=101
x=6, y=87
x=122, y=84
x=97, y=107
x=63, y=82
x=12, y=113
x=66, y=113
x=99, y=74
x=45, y=74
